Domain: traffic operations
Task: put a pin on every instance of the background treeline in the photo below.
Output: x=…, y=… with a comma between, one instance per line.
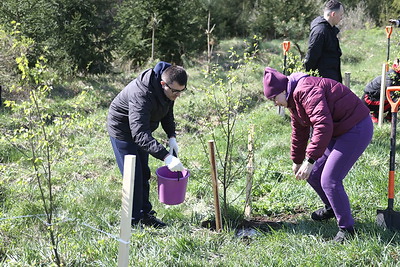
x=89, y=36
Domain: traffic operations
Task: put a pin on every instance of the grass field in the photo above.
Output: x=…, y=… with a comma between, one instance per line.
x=88, y=184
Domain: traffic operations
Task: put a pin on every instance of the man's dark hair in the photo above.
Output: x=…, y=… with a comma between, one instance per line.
x=332, y=5
x=174, y=74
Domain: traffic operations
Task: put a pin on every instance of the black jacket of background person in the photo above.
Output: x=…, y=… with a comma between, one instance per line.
x=373, y=88
x=139, y=108
x=323, y=50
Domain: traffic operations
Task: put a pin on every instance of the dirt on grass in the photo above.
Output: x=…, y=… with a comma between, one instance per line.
x=257, y=224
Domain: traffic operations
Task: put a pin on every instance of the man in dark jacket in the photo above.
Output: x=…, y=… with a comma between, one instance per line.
x=133, y=115
x=372, y=92
x=323, y=45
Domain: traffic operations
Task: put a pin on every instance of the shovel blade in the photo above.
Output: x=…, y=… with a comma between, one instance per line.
x=389, y=219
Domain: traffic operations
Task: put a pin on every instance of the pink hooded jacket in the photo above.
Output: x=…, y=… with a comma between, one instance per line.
x=329, y=107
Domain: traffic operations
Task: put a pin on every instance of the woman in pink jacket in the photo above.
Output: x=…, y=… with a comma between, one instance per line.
x=341, y=131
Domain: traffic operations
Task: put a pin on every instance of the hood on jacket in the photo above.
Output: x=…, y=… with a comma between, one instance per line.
x=322, y=22
x=293, y=79
x=159, y=69
x=319, y=21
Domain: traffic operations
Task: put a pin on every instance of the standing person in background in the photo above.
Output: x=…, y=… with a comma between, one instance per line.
x=324, y=51
x=372, y=92
x=133, y=115
x=342, y=130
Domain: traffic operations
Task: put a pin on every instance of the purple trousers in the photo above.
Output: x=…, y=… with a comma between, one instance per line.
x=329, y=171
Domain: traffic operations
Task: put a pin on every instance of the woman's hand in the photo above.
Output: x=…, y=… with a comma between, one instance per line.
x=304, y=171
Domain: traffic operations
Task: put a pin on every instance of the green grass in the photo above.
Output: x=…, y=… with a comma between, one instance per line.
x=89, y=187
x=364, y=52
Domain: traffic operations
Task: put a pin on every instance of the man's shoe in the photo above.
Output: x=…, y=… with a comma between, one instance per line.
x=323, y=214
x=343, y=235
x=150, y=219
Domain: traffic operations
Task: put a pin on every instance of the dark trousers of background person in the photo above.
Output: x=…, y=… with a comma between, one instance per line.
x=374, y=107
x=141, y=202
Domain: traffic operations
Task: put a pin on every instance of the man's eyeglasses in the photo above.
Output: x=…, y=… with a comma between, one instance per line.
x=176, y=90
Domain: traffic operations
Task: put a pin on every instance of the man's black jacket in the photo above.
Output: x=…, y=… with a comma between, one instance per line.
x=323, y=50
x=139, y=108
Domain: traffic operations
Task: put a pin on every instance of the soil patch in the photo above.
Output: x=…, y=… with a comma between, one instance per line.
x=260, y=224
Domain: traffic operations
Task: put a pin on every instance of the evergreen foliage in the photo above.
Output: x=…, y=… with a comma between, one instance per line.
x=75, y=35
x=84, y=37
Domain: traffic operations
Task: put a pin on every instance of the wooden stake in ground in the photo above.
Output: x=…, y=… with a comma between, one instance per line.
x=250, y=173
x=126, y=212
x=218, y=220
x=383, y=94
x=347, y=79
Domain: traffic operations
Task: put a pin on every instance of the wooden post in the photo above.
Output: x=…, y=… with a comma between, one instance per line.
x=209, y=42
x=126, y=212
x=1, y=100
x=383, y=94
x=218, y=220
x=250, y=172
x=347, y=79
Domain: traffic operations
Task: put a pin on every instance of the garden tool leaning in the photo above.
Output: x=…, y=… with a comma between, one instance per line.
x=389, y=218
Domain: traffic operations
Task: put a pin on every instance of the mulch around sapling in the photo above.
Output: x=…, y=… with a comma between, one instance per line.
x=260, y=224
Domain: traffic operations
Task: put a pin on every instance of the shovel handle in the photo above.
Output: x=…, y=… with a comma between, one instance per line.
x=389, y=30
x=394, y=105
x=285, y=46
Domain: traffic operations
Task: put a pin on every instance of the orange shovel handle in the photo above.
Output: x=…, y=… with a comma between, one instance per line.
x=393, y=105
x=286, y=46
x=389, y=30
x=391, y=185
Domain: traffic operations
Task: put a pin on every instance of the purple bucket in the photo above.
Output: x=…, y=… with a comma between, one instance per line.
x=171, y=185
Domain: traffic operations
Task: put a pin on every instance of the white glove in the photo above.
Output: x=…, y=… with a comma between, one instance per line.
x=173, y=163
x=295, y=167
x=304, y=171
x=173, y=146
